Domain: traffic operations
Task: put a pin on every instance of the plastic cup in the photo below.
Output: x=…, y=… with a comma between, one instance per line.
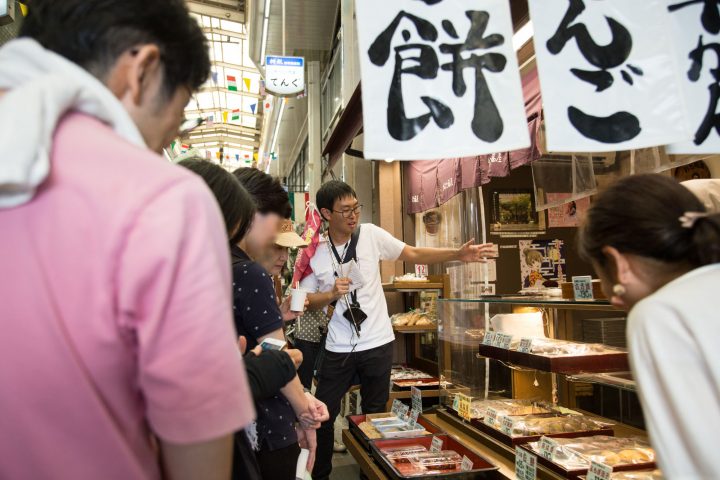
x=297, y=299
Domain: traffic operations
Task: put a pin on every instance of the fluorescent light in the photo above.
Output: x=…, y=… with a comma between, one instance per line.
x=266, y=24
x=524, y=34
x=277, y=128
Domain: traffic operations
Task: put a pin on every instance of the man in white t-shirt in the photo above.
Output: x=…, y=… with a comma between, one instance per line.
x=365, y=352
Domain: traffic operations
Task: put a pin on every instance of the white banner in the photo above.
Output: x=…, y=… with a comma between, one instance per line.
x=695, y=29
x=607, y=75
x=440, y=79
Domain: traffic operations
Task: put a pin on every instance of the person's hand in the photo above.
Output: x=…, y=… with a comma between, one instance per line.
x=308, y=439
x=287, y=314
x=295, y=355
x=475, y=253
x=321, y=410
x=242, y=345
x=341, y=287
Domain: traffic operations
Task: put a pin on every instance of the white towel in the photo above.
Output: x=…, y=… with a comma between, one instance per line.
x=40, y=87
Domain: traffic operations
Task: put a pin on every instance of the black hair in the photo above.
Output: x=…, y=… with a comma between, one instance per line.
x=235, y=202
x=640, y=215
x=331, y=191
x=266, y=190
x=94, y=34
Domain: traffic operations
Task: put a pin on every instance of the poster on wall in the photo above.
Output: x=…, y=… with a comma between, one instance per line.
x=514, y=212
x=440, y=79
x=607, y=75
x=541, y=261
x=695, y=31
x=569, y=214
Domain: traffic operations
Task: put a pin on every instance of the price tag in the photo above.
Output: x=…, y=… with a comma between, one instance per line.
x=416, y=397
x=525, y=345
x=436, y=444
x=414, y=414
x=396, y=405
x=506, y=424
x=547, y=447
x=421, y=270
x=582, y=287
x=456, y=402
x=599, y=471
x=464, y=406
x=466, y=464
x=503, y=340
x=489, y=338
x=491, y=417
x=525, y=465
x=404, y=411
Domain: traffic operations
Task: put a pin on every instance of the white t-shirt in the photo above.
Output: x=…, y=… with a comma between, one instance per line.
x=374, y=244
x=674, y=344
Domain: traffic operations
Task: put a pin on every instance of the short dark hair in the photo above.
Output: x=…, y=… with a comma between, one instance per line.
x=235, y=202
x=266, y=190
x=331, y=191
x=640, y=215
x=93, y=34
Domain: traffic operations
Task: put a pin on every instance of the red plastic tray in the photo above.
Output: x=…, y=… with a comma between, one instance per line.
x=354, y=422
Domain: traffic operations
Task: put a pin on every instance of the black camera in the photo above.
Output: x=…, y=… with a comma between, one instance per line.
x=355, y=315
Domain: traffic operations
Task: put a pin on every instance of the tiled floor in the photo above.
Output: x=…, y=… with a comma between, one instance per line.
x=344, y=467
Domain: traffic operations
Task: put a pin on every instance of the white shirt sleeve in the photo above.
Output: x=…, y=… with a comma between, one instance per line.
x=388, y=246
x=677, y=395
x=310, y=283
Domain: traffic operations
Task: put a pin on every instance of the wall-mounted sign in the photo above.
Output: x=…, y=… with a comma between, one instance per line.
x=284, y=75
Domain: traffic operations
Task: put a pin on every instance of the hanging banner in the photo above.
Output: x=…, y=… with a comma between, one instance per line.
x=439, y=79
x=607, y=75
x=284, y=75
x=695, y=31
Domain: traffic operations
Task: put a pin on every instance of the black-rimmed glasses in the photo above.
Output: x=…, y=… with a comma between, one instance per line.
x=348, y=213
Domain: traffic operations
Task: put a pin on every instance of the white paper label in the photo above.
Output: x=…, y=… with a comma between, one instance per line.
x=466, y=464
x=599, y=471
x=436, y=444
x=489, y=338
x=456, y=402
x=414, y=414
x=503, y=340
x=547, y=447
x=582, y=287
x=525, y=465
x=490, y=417
x=506, y=424
x=525, y=345
x=421, y=270
x=416, y=397
x=396, y=405
x=404, y=411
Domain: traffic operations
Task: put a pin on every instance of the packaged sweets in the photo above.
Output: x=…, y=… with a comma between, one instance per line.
x=577, y=453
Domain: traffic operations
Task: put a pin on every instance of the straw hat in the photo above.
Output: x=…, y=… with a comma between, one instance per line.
x=287, y=236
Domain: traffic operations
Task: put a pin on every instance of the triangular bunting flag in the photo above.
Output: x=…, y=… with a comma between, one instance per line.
x=231, y=83
x=247, y=83
x=225, y=116
x=214, y=77
x=237, y=157
x=253, y=106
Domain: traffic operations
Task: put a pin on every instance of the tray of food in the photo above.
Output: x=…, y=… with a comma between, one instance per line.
x=560, y=356
x=386, y=425
x=571, y=457
x=513, y=430
x=421, y=383
x=635, y=475
x=413, y=458
x=413, y=318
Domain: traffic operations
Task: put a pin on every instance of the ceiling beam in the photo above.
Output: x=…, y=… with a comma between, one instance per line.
x=225, y=127
x=226, y=33
x=224, y=139
x=225, y=13
x=235, y=66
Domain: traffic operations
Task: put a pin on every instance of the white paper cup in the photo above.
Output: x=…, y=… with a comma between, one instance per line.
x=297, y=299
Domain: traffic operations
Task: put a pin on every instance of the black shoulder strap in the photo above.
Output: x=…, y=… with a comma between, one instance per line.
x=351, y=252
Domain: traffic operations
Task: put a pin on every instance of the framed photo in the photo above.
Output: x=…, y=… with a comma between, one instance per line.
x=514, y=211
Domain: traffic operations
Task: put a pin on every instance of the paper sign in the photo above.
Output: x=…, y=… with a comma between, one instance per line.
x=464, y=406
x=489, y=338
x=490, y=417
x=456, y=402
x=421, y=270
x=436, y=444
x=506, y=424
x=525, y=465
x=414, y=414
x=466, y=464
x=503, y=340
x=284, y=75
x=396, y=405
x=525, y=345
x=547, y=447
x=599, y=471
x=582, y=287
x=404, y=411
x=416, y=397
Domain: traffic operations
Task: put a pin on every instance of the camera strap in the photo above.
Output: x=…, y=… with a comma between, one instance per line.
x=349, y=253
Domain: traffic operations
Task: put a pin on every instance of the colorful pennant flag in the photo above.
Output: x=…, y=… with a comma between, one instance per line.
x=210, y=120
x=231, y=83
x=225, y=116
x=207, y=155
x=237, y=157
x=253, y=106
x=247, y=83
x=236, y=114
x=214, y=77
x=267, y=105
x=255, y=156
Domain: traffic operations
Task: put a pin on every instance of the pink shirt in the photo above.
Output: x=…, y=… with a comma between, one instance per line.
x=115, y=314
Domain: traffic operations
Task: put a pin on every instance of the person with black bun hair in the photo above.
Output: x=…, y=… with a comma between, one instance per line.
x=657, y=252
x=117, y=338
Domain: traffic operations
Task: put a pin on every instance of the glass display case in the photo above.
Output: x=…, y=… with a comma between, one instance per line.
x=562, y=354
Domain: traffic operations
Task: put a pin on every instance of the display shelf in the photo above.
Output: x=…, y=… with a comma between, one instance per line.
x=568, y=365
x=354, y=422
x=621, y=380
x=415, y=329
x=544, y=302
x=411, y=287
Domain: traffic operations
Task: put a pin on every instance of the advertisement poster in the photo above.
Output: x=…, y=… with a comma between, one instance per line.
x=541, y=261
x=568, y=214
